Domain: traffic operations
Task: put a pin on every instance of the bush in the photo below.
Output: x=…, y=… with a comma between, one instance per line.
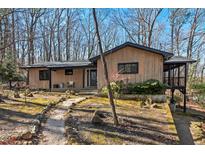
x=116, y=88
x=146, y=88
x=199, y=86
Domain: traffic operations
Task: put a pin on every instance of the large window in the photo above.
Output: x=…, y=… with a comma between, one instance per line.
x=43, y=75
x=128, y=68
x=69, y=71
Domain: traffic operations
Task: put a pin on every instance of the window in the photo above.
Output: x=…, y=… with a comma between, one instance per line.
x=68, y=71
x=43, y=75
x=128, y=68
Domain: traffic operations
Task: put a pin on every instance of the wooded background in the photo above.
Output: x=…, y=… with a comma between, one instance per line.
x=38, y=35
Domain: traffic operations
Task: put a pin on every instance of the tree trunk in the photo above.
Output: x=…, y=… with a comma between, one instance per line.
x=110, y=94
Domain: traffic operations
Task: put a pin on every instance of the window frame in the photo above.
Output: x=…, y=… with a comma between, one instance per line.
x=43, y=77
x=70, y=71
x=131, y=71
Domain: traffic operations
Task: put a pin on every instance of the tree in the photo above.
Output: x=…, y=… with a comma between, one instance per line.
x=8, y=70
x=110, y=94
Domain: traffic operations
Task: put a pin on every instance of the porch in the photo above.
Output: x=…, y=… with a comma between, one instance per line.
x=176, y=75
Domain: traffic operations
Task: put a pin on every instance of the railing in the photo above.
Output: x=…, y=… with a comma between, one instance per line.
x=175, y=81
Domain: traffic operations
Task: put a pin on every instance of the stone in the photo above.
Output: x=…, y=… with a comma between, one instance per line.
x=62, y=99
x=27, y=136
x=16, y=95
x=100, y=114
x=156, y=106
x=29, y=95
x=72, y=92
x=96, y=120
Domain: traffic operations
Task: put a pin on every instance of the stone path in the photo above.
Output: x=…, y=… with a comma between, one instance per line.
x=52, y=131
x=183, y=130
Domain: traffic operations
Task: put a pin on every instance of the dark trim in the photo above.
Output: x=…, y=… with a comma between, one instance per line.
x=134, y=72
x=27, y=81
x=40, y=73
x=163, y=53
x=30, y=67
x=70, y=71
x=185, y=87
x=50, y=79
x=83, y=78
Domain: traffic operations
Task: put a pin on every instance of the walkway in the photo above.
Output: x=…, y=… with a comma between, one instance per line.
x=52, y=131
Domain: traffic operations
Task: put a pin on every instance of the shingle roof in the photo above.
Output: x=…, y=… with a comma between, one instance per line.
x=163, y=53
x=179, y=59
x=59, y=64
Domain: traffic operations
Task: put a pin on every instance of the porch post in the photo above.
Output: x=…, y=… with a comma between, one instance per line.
x=185, y=80
x=83, y=78
x=50, y=78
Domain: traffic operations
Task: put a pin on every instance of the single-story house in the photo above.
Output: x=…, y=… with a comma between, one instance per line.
x=129, y=62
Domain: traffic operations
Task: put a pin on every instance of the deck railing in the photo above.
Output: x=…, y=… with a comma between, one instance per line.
x=175, y=81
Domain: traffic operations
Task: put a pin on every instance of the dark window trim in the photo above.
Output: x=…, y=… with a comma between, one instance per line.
x=134, y=72
x=71, y=71
x=42, y=78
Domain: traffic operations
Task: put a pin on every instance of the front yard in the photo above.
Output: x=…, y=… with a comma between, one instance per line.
x=138, y=125
x=17, y=114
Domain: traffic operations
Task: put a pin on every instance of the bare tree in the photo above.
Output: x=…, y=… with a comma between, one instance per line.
x=110, y=94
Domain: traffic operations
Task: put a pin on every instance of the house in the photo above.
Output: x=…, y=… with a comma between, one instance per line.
x=129, y=62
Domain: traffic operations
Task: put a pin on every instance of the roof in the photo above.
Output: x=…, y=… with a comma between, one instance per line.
x=134, y=45
x=179, y=60
x=59, y=64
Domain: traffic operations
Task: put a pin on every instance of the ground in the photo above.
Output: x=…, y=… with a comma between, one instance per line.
x=190, y=125
x=71, y=124
x=17, y=114
x=137, y=125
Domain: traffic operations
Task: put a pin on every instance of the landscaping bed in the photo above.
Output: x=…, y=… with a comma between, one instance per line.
x=17, y=115
x=138, y=125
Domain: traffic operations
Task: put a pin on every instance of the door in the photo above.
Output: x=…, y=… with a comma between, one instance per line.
x=93, y=78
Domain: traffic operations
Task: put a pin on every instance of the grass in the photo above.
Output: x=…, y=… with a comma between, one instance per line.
x=16, y=114
x=137, y=125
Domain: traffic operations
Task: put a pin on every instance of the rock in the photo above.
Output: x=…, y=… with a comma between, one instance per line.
x=72, y=92
x=156, y=106
x=1, y=100
x=73, y=104
x=100, y=114
x=27, y=136
x=16, y=95
x=96, y=119
x=62, y=99
x=29, y=95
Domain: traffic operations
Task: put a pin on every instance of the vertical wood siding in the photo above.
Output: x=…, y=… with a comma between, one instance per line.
x=150, y=66
x=58, y=77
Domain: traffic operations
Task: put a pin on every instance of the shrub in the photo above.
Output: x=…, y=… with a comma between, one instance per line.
x=148, y=87
x=116, y=88
x=199, y=86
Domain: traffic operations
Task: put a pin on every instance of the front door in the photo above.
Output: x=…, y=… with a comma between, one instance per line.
x=93, y=78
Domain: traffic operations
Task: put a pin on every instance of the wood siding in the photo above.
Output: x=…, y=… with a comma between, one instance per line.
x=58, y=77
x=34, y=82
x=150, y=66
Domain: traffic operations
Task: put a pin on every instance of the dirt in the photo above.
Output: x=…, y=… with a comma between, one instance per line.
x=137, y=125
x=189, y=125
x=53, y=130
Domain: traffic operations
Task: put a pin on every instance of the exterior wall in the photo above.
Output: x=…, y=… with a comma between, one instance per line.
x=58, y=77
x=150, y=66
x=34, y=82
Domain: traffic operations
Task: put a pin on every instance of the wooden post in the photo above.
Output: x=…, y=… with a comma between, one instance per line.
x=83, y=78
x=179, y=76
x=185, y=80
x=169, y=76
x=50, y=78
